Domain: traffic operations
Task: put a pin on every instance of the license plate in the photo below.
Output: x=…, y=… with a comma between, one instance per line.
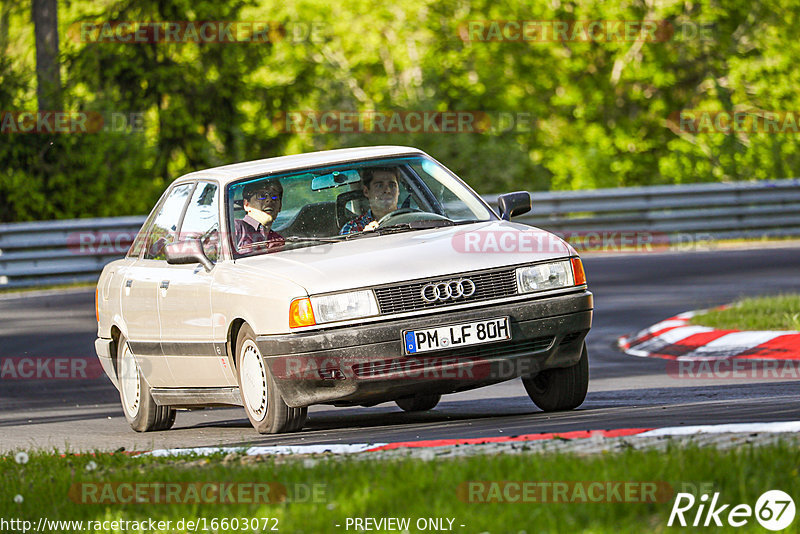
x=456, y=335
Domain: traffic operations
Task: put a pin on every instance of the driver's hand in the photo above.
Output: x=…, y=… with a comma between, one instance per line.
x=371, y=226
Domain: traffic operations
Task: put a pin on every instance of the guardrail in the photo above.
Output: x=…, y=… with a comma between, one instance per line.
x=58, y=252
x=62, y=252
x=671, y=214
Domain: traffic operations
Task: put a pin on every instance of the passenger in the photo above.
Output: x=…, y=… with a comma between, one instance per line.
x=382, y=189
x=262, y=202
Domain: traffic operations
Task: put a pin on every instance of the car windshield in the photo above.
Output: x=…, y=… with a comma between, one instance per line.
x=340, y=202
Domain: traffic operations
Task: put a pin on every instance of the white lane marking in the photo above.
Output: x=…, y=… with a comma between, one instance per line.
x=200, y=451
x=335, y=448
x=781, y=426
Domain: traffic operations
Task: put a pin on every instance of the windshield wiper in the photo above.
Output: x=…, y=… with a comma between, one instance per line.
x=423, y=225
x=395, y=228
x=408, y=226
x=300, y=239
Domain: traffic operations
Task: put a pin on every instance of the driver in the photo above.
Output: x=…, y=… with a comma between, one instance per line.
x=262, y=202
x=381, y=188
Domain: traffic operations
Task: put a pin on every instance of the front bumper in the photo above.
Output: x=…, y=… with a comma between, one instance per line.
x=365, y=364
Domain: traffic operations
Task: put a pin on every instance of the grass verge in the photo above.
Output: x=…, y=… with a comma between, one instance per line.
x=323, y=493
x=781, y=312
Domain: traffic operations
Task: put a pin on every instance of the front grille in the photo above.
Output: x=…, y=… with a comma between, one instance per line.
x=407, y=297
x=420, y=362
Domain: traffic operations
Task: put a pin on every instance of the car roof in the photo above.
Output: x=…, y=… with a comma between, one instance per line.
x=236, y=171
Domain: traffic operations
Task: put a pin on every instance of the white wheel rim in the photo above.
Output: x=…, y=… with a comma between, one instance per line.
x=129, y=383
x=253, y=377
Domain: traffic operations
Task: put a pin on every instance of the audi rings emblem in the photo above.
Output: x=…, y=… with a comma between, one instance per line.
x=449, y=290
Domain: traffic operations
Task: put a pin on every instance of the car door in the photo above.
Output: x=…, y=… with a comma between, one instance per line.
x=140, y=289
x=184, y=300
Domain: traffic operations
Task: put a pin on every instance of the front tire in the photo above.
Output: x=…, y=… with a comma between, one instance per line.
x=141, y=411
x=262, y=401
x=562, y=388
x=418, y=403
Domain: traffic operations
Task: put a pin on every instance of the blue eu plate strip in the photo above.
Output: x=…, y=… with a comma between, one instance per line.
x=411, y=342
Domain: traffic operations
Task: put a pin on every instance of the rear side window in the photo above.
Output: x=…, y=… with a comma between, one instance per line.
x=165, y=224
x=202, y=219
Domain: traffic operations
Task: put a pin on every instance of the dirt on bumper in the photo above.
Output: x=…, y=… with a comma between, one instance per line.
x=366, y=364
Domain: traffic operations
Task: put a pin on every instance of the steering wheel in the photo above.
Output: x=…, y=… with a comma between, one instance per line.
x=389, y=216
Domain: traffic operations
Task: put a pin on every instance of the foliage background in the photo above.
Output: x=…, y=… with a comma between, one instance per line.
x=601, y=109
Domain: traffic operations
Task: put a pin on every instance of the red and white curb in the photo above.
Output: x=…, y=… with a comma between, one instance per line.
x=676, y=339
x=355, y=448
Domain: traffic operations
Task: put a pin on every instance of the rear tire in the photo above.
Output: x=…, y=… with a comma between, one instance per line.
x=418, y=403
x=141, y=411
x=559, y=389
x=262, y=401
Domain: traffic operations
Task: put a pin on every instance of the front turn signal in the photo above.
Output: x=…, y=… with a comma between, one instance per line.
x=301, y=313
x=578, y=273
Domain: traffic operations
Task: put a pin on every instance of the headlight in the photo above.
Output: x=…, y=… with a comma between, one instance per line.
x=343, y=306
x=544, y=276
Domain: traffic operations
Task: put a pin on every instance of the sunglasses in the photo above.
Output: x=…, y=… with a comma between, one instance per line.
x=267, y=196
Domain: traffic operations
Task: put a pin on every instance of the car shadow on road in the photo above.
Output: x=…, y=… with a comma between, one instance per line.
x=349, y=424
x=512, y=416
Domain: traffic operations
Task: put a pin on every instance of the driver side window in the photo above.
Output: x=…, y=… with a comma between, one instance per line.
x=202, y=219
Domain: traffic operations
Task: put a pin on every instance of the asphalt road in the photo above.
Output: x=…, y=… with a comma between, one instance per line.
x=631, y=292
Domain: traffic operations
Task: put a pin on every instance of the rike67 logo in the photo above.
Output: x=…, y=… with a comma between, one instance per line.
x=774, y=510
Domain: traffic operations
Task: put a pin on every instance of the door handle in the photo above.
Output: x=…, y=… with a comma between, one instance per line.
x=164, y=284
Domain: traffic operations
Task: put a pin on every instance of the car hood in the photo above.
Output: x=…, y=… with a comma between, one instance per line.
x=371, y=261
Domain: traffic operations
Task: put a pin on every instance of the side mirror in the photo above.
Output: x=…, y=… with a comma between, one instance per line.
x=512, y=204
x=186, y=252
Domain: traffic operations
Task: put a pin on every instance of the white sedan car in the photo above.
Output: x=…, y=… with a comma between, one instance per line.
x=346, y=277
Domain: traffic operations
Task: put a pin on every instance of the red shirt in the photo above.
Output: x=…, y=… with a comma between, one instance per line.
x=250, y=231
